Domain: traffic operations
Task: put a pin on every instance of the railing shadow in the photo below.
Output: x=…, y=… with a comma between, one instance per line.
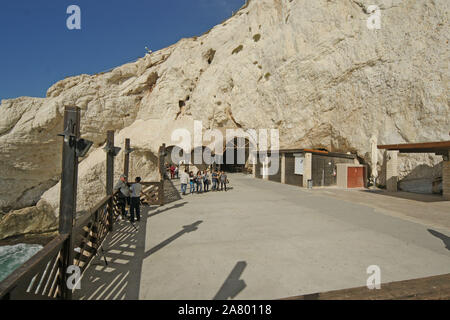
x=124, y=251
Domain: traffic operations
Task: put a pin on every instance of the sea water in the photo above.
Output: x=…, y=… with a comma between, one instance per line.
x=12, y=257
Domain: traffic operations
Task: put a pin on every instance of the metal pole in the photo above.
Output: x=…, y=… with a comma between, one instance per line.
x=110, y=176
x=162, y=171
x=126, y=162
x=68, y=195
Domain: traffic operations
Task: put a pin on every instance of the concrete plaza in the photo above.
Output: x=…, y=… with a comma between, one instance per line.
x=265, y=240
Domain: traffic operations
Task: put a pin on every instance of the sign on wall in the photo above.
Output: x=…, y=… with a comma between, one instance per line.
x=299, y=161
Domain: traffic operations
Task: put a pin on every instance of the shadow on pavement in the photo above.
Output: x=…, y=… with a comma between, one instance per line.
x=408, y=195
x=232, y=285
x=178, y=205
x=124, y=250
x=441, y=236
x=186, y=229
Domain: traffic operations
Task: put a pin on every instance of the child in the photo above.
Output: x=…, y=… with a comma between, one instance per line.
x=135, y=190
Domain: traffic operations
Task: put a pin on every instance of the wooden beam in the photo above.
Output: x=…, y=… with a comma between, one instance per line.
x=110, y=176
x=126, y=162
x=430, y=288
x=430, y=147
x=68, y=194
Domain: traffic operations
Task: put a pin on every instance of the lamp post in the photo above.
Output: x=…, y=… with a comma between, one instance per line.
x=73, y=148
x=126, y=162
x=162, y=169
x=111, y=152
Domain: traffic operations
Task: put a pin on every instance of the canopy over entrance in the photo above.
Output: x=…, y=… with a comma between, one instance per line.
x=441, y=148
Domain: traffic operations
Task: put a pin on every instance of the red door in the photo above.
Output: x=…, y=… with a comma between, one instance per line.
x=355, y=178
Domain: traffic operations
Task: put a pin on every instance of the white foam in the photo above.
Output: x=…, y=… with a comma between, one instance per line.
x=12, y=257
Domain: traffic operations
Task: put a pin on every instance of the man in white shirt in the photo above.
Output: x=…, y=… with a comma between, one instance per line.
x=184, y=179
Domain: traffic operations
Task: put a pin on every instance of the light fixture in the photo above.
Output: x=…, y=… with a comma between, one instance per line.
x=163, y=153
x=82, y=147
x=129, y=150
x=67, y=134
x=114, y=150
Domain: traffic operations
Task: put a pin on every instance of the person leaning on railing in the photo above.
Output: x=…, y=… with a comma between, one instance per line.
x=123, y=195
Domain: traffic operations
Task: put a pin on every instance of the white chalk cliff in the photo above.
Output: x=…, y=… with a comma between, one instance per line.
x=312, y=69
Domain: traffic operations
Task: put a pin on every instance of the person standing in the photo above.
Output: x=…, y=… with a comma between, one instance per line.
x=205, y=181
x=172, y=172
x=223, y=181
x=135, y=206
x=191, y=182
x=214, y=180
x=199, y=181
x=176, y=172
x=123, y=194
x=184, y=179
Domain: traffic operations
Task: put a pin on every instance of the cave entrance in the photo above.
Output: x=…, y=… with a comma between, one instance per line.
x=236, y=155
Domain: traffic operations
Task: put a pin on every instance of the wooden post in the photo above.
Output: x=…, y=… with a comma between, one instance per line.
x=126, y=162
x=68, y=195
x=162, y=171
x=110, y=176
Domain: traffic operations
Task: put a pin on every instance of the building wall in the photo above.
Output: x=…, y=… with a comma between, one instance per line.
x=276, y=177
x=446, y=180
x=291, y=178
x=324, y=167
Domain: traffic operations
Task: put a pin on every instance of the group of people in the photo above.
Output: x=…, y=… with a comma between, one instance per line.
x=201, y=181
x=129, y=194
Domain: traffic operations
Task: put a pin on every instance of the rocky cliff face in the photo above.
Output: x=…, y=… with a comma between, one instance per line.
x=312, y=69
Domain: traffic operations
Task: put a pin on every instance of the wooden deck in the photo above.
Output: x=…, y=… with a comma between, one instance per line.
x=430, y=288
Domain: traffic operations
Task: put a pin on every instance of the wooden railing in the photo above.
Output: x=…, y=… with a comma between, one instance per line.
x=152, y=193
x=91, y=230
x=43, y=276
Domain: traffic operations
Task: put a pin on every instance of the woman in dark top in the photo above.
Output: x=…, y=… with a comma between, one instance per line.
x=191, y=182
x=199, y=182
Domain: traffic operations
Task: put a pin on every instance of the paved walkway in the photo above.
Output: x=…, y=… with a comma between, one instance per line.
x=265, y=240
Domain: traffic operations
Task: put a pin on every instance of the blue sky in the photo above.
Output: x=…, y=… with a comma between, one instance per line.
x=37, y=49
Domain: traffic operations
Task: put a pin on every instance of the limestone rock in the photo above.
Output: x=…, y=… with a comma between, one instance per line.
x=312, y=69
x=32, y=220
